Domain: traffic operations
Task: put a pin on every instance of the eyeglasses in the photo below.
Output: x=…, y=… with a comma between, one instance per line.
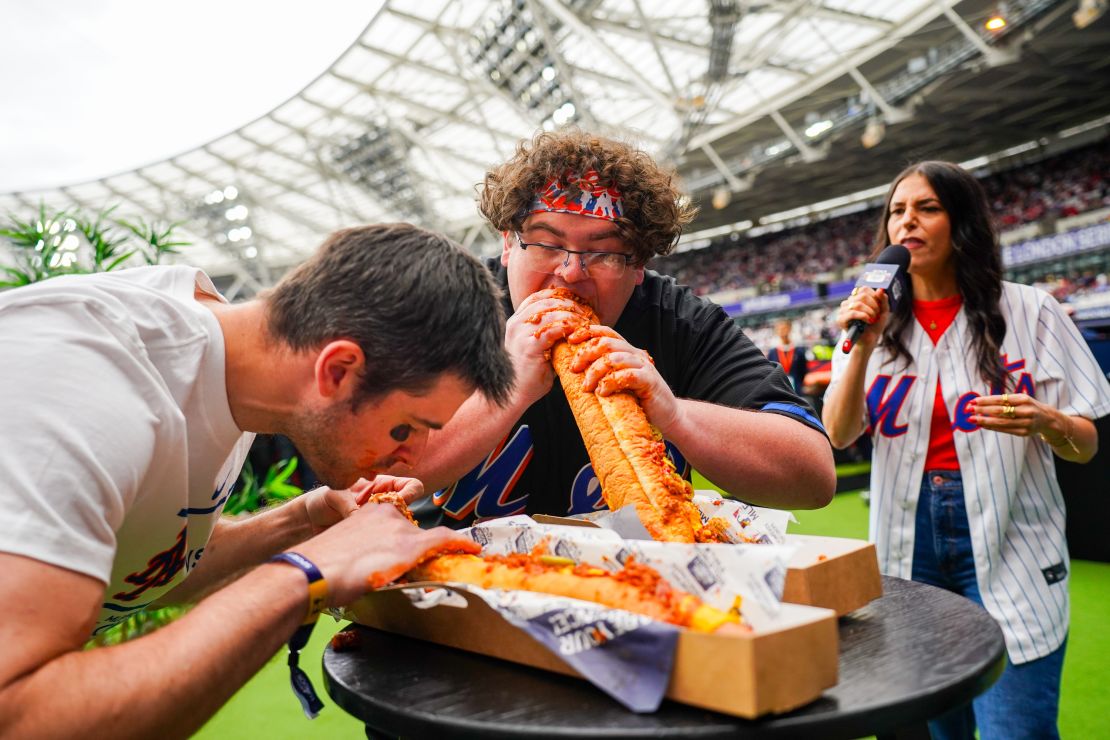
x=547, y=258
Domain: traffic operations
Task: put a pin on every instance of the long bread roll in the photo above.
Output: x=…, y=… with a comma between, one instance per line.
x=636, y=588
x=629, y=459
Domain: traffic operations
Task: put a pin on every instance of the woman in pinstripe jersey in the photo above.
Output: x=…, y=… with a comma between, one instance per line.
x=970, y=387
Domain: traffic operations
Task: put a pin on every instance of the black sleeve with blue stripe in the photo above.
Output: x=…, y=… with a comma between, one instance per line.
x=705, y=356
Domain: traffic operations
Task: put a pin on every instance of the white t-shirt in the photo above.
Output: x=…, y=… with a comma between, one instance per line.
x=117, y=444
x=1014, y=506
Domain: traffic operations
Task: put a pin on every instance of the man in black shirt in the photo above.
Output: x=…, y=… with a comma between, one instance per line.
x=585, y=213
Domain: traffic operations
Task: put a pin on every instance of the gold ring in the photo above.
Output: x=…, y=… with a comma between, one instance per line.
x=1005, y=398
x=1008, y=411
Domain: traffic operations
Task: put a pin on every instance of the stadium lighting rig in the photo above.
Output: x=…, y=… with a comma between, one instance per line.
x=226, y=219
x=723, y=17
x=512, y=51
x=1088, y=12
x=881, y=104
x=995, y=23
x=377, y=160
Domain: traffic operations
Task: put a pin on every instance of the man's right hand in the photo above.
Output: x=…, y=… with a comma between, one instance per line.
x=374, y=546
x=539, y=322
x=870, y=306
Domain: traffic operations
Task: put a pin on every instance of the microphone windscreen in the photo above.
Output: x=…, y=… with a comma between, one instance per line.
x=895, y=254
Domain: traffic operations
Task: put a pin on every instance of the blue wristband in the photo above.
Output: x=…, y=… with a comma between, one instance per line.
x=317, y=600
x=317, y=584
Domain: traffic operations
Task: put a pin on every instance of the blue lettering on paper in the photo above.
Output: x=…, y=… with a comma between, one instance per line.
x=626, y=655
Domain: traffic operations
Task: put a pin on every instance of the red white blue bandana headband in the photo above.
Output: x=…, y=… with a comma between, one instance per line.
x=581, y=195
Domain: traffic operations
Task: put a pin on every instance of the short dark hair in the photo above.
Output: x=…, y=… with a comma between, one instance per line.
x=417, y=303
x=654, y=209
x=977, y=257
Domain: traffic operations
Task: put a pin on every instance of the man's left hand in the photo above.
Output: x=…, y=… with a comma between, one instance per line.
x=611, y=365
x=326, y=506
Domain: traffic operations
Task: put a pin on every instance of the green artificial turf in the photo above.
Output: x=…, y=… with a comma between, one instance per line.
x=853, y=468
x=266, y=707
x=1084, y=702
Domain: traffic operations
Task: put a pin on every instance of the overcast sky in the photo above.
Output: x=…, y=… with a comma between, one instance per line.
x=92, y=87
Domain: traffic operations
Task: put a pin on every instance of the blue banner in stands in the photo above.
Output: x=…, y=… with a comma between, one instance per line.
x=1057, y=245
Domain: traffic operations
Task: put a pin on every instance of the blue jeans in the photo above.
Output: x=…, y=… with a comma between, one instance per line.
x=1024, y=703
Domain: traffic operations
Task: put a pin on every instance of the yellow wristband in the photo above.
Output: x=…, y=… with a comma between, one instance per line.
x=317, y=600
x=317, y=584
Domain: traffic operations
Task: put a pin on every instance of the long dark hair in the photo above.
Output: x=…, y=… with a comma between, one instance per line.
x=978, y=264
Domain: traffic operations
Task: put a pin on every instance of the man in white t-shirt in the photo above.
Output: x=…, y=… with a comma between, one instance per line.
x=127, y=404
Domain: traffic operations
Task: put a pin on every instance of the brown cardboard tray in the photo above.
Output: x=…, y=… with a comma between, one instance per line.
x=832, y=572
x=746, y=675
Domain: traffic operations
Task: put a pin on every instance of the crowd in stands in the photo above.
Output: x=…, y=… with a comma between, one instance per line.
x=776, y=262
x=1065, y=185
x=1057, y=187
x=1063, y=287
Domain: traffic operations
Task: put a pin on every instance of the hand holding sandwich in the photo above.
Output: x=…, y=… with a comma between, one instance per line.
x=612, y=365
x=543, y=319
x=327, y=506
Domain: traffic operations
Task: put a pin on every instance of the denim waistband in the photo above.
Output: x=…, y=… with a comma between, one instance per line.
x=942, y=479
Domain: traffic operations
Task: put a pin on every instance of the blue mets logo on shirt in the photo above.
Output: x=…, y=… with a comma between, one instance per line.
x=487, y=491
x=585, y=492
x=884, y=403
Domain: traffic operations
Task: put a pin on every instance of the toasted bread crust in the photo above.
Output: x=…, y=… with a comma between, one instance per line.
x=636, y=588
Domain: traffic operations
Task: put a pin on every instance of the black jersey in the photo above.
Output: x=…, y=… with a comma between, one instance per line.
x=542, y=467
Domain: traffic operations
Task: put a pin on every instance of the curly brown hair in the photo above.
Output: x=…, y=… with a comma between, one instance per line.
x=654, y=209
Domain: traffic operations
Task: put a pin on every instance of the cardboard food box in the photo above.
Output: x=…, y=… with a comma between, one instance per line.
x=771, y=671
x=832, y=572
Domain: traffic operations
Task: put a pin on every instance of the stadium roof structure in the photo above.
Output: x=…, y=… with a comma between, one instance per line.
x=760, y=103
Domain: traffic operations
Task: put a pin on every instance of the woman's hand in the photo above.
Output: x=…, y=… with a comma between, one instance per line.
x=1021, y=415
x=870, y=306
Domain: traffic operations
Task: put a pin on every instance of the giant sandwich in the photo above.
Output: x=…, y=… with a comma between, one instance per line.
x=635, y=587
x=628, y=456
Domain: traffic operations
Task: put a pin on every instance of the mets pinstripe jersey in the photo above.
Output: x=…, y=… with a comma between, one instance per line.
x=1014, y=506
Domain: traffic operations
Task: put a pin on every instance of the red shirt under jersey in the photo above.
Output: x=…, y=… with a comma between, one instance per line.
x=935, y=317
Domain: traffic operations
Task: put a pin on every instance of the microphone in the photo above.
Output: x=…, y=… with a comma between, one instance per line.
x=887, y=273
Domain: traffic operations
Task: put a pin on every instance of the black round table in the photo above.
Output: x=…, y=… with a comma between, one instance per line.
x=907, y=657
